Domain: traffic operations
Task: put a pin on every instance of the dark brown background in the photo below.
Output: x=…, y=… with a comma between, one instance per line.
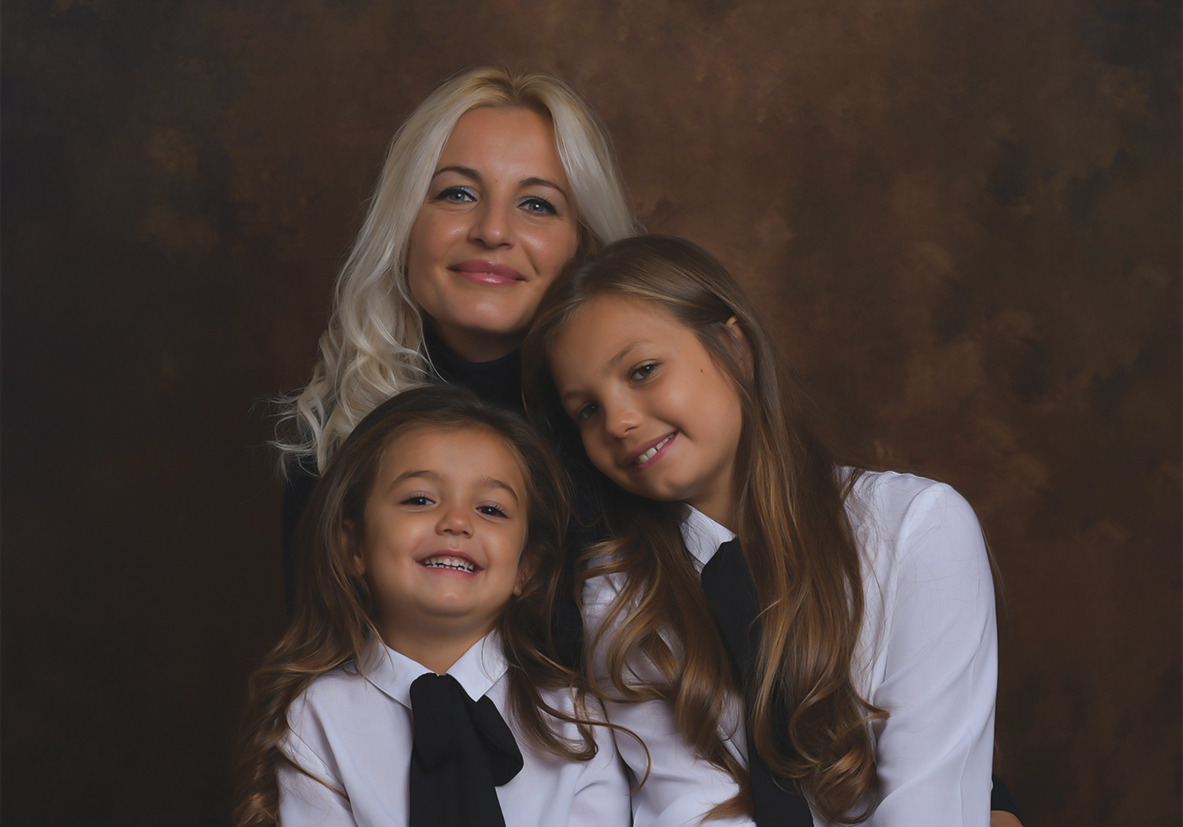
x=963, y=217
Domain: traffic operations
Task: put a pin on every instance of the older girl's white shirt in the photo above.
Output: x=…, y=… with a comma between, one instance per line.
x=927, y=654
x=353, y=730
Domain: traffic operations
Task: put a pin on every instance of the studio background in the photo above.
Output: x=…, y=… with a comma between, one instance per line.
x=962, y=218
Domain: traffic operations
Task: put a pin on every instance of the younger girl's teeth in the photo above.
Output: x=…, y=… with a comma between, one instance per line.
x=455, y=563
x=652, y=452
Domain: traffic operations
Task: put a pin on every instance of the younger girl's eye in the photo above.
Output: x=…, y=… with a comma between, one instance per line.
x=492, y=510
x=456, y=195
x=417, y=499
x=539, y=206
x=642, y=371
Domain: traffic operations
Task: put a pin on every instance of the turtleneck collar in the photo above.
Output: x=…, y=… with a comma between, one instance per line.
x=498, y=381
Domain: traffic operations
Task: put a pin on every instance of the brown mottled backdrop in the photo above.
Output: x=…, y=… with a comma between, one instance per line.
x=963, y=217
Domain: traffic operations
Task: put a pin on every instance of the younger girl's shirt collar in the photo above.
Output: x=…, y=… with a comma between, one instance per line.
x=702, y=536
x=476, y=670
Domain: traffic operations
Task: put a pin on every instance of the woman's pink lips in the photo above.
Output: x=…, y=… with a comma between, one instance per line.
x=487, y=272
x=631, y=460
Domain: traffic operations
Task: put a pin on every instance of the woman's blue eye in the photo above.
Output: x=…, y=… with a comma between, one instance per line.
x=456, y=195
x=539, y=206
x=492, y=510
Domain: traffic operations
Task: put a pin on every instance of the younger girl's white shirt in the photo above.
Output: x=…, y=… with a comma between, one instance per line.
x=927, y=655
x=353, y=730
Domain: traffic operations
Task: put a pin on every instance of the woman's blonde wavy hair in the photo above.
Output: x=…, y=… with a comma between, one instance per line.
x=373, y=347
x=804, y=714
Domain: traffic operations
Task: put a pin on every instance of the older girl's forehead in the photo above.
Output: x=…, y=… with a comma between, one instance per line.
x=602, y=332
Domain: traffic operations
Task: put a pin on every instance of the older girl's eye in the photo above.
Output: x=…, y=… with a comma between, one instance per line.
x=585, y=411
x=642, y=371
x=417, y=500
x=492, y=510
x=456, y=195
x=539, y=206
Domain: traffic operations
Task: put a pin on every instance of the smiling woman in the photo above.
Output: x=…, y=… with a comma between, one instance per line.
x=497, y=225
x=490, y=187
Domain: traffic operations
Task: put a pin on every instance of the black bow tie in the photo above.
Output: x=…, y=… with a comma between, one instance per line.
x=462, y=751
x=732, y=595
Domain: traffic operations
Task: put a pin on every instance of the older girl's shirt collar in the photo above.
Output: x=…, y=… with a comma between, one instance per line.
x=476, y=670
x=702, y=536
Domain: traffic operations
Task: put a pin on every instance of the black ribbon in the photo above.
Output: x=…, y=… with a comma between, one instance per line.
x=463, y=751
x=732, y=595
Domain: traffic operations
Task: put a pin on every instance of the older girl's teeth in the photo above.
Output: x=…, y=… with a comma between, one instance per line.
x=455, y=563
x=652, y=452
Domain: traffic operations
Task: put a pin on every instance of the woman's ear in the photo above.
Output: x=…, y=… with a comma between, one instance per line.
x=350, y=541
x=741, y=348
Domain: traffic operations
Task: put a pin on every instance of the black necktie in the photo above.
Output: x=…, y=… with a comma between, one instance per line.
x=462, y=751
x=732, y=596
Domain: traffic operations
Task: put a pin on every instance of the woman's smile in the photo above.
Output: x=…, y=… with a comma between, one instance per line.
x=496, y=227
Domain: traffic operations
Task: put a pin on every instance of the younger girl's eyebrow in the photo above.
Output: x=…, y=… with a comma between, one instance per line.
x=433, y=476
x=490, y=482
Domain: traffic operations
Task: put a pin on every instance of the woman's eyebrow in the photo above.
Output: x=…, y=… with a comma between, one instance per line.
x=532, y=181
x=542, y=182
x=467, y=172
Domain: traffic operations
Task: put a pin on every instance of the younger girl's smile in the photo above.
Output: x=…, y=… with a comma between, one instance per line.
x=656, y=414
x=445, y=523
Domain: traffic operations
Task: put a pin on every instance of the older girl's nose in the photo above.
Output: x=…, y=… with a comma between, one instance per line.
x=621, y=419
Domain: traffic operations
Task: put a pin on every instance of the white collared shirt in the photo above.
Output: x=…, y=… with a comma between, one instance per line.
x=927, y=654
x=354, y=731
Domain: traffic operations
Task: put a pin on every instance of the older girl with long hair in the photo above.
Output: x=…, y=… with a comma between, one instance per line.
x=413, y=685
x=493, y=183
x=791, y=640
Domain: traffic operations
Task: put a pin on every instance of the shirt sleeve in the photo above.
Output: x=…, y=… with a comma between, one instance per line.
x=680, y=787
x=315, y=797
x=938, y=656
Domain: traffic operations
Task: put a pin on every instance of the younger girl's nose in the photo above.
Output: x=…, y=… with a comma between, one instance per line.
x=455, y=521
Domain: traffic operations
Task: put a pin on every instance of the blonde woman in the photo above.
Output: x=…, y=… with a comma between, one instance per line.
x=493, y=183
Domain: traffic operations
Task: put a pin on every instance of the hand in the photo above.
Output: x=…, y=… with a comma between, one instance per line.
x=1001, y=818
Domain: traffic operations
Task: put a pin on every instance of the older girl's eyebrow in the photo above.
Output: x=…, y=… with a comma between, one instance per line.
x=613, y=362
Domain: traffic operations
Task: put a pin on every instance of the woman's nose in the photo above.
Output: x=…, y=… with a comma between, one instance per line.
x=492, y=225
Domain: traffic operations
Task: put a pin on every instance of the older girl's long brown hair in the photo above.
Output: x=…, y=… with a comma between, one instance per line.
x=333, y=622
x=805, y=717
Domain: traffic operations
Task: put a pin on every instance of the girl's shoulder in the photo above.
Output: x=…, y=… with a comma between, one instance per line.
x=336, y=689
x=905, y=519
